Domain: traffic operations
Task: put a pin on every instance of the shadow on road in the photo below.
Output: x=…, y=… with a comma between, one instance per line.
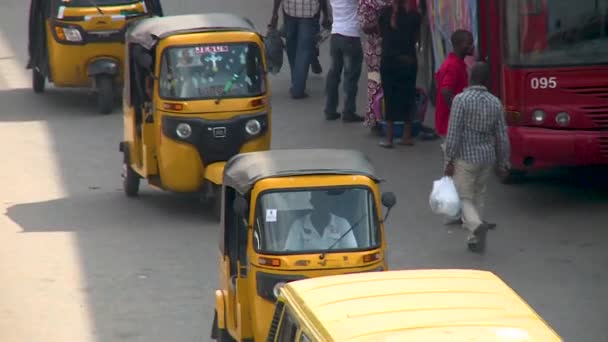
x=141, y=260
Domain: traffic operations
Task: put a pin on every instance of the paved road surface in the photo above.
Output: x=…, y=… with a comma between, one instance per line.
x=80, y=262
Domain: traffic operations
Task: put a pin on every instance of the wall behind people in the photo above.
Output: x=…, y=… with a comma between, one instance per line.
x=447, y=16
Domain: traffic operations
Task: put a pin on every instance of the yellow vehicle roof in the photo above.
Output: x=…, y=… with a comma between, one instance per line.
x=147, y=32
x=245, y=169
x=418, y=305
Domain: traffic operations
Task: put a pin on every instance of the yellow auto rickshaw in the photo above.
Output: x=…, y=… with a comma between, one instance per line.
x=413, y=305
x=195, y=95
x=80, y=43
x=289, y=215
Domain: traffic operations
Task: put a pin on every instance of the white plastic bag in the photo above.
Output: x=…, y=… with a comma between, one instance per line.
x=444, y=198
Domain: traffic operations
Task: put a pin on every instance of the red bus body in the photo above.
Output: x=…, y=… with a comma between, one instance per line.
x=545, y=74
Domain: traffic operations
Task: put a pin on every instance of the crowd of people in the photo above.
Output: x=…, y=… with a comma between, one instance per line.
x=384, y=34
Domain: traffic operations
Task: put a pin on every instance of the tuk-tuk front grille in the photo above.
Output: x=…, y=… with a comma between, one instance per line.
x=215, y=140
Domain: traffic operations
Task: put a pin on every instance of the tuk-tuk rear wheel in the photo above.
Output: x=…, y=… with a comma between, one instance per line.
x=130, y=180
x=38, y=81
x=105, y=93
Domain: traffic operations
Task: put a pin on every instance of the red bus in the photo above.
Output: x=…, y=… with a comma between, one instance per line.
x=550, y=68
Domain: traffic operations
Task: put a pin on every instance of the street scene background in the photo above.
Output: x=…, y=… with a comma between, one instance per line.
x=81, y=262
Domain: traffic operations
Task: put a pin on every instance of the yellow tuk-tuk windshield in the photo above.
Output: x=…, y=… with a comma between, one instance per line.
x=232, y=70
x=316, y=221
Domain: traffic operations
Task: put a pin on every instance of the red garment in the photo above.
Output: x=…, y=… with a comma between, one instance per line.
x=453, y=75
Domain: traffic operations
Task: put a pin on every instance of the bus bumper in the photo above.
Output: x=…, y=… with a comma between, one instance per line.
x=541, y=148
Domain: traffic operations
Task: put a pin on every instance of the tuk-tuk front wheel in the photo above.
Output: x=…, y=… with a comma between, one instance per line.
x=105, y=93
x=38, y=81
x=130, y=180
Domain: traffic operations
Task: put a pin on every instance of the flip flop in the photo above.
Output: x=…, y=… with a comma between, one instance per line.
x=385, y=144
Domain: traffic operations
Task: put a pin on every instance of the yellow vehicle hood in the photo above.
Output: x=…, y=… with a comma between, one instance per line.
x=421, y=305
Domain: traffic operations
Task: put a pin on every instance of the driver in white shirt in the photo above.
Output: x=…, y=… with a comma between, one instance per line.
x=320, y=229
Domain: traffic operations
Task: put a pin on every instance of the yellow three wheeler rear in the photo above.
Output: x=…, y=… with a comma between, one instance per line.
x=79, y=43
x=195, y=95
x=289, y=215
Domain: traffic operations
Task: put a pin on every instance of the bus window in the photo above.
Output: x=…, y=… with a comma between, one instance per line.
x=555, y=32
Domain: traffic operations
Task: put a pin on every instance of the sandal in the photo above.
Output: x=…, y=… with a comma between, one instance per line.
x=407, y=142
x=385, y=144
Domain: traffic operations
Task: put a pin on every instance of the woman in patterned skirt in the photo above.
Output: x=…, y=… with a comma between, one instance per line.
x=369, y=11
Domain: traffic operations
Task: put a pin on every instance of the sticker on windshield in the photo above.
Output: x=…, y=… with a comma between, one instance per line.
x=211, y=49
x=271, y=215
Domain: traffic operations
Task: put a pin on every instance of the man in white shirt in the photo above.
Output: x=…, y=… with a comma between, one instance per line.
x=320, y=229
x=346, y=54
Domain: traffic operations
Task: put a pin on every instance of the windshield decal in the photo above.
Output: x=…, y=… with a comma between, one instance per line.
x=202, y=50
x=271, y=215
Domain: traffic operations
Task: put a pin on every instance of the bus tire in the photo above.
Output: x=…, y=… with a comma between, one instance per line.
x=105, y=94
x=38, y=81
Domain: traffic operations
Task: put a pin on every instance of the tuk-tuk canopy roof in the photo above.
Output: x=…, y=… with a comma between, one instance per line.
x=148, y=32
x=417, y=305
x=244, y=170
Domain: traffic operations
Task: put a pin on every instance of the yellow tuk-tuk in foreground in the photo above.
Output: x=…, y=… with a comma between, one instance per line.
x=79, y=43
x=416, y=305
x=196, y=94
x=290, y=215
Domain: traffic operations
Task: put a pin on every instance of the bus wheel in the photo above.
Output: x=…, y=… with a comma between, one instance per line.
x=38, y=81
x=513, y=177
x=105, y=94
x=130, y=180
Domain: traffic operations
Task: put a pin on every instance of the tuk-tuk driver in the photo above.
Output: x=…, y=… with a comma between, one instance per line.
x=320, y=229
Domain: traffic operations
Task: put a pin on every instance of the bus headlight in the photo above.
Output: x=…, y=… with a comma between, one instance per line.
x=538, y=116
x=563, y=119
x=253, y=127
x=183, y=130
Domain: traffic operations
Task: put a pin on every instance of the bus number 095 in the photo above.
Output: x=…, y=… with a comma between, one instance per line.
x=543, y=82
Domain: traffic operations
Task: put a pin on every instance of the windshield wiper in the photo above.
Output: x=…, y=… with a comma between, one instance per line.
x=322, y=256
x=92, y=2
x=229, y=84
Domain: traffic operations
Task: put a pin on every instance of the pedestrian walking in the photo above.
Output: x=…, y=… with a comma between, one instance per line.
x=346, y=56
x=400, y=31
x=301, y=20
x=451, y=79
x=368, y=14
x=477, y=141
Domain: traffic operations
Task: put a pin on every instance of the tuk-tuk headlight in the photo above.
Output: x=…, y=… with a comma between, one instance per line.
x=72, y=34
x=253, y=127
x=183, y=130
x=276, y=290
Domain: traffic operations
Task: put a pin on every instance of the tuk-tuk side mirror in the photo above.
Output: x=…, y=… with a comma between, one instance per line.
x=388, y=200
x=240, y=206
